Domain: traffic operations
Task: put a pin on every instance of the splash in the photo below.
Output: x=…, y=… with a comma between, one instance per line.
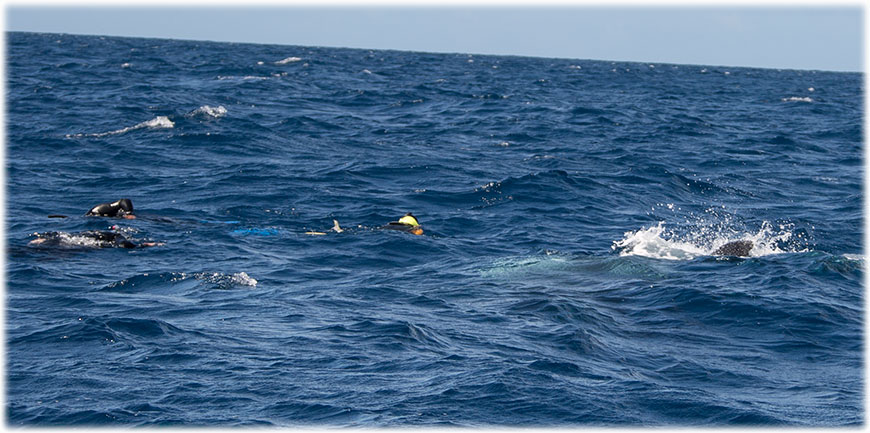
x=797, y=99
x=660, y=243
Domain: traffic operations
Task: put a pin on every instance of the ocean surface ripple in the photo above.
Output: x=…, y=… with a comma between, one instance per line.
x=565, y=275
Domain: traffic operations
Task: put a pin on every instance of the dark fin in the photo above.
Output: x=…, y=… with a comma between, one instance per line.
x=58, y=216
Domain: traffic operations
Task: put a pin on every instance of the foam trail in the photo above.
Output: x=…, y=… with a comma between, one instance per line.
x=159, y=122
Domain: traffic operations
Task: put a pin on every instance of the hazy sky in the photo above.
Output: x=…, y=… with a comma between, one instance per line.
x=798, y=37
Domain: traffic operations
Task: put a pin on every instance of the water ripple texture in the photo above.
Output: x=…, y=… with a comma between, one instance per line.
x=567, y=272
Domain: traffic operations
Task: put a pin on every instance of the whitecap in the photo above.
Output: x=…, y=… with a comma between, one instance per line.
x=207, y=110
x=157, y=123
x=797, y=99
x=854, y=257
x=245, y=78
x=288, y=60
x=243, y=279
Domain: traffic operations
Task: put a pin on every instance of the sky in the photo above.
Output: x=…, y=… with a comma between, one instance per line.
x=808, y=36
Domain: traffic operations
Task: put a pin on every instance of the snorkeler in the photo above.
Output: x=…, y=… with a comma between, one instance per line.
x=122, y=208
x=91, y=238
x=407, y=223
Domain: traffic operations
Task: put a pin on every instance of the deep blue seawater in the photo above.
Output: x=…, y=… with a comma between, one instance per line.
x=564, y=276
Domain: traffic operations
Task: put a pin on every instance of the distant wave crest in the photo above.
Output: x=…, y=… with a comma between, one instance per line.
x=288, y=60
x=797, y=99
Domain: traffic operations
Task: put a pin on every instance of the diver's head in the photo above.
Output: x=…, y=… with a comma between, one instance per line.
x=409, y=220
x=125, y=204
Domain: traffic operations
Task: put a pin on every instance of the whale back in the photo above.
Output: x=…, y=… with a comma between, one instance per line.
x=734, y=248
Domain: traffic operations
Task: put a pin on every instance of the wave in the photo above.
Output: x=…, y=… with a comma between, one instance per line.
x=180, y=281
x=660, y=243
x=104, y=329
x=159, y=122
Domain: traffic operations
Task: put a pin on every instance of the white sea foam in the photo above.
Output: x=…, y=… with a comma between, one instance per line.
x=245, y=78
x=221, y=280
x=207, y=110
x=243, y=279
x=652, y=242
x=288, y=60
x=659, y=243
x=855, y=257
x=73, y=240
x=159, y=122
x=797, y=99
x=69, y=240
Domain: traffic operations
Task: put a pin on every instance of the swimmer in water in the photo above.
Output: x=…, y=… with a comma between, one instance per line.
x=96, y=238
x=407, y=223
x=122, y=208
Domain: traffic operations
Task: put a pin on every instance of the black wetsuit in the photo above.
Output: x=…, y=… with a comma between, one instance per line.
x=119, y=208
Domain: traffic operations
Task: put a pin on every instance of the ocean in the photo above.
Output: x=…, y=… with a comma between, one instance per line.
x=565, y=276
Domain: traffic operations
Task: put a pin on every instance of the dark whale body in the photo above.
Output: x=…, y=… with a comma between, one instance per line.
x=734, y=248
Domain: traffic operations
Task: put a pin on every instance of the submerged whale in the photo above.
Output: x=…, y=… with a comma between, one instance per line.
x=734, y=248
